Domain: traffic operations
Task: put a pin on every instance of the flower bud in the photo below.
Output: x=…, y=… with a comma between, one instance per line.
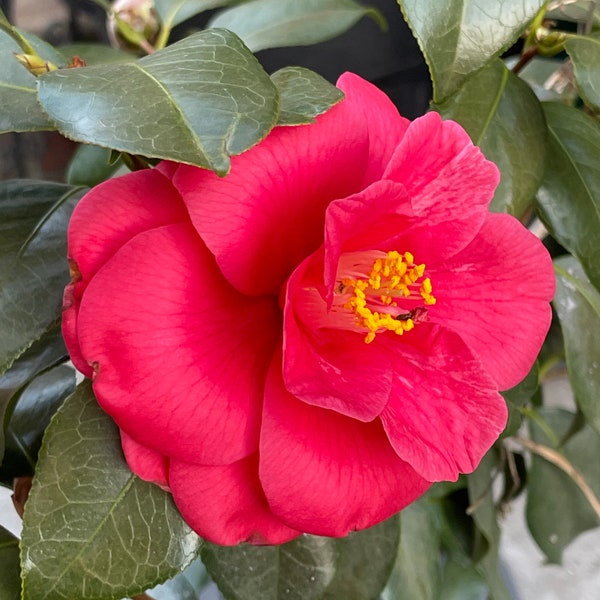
x=35, y=64
x=133, y=24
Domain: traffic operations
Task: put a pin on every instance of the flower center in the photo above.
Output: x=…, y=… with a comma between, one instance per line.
x=380, y=299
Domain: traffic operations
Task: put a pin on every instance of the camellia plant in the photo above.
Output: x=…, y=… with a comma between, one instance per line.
x=312, y=336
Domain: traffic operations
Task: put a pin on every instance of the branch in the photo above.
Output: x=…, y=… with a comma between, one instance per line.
x=562, y=463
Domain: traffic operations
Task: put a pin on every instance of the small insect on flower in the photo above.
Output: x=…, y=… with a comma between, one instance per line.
x=418, y=315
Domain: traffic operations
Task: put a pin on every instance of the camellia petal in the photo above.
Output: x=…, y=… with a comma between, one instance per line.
x=146, y=463
x=447, y=177
x=438, y=438
x=386, y=126
x=267, y=215
x=330, y=368
x=496, y=296
x=226, y=504
x=116, y=211
x=161, y=305
x=325, y=473
x=370, y=219
x=108, y=217
x=306, y=344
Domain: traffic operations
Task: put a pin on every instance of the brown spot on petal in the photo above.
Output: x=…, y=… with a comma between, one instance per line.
x=95, y=367
x=74, y=271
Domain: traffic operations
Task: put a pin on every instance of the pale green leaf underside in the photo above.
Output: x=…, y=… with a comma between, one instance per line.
x=275, y=23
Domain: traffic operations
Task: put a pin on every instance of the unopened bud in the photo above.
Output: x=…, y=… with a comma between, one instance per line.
x=133, y=24
x=550, y=42
x=35, y=64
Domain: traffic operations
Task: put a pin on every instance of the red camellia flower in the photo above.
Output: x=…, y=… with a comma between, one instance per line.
x=306, y=344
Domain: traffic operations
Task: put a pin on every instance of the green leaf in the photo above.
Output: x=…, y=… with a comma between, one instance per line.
x=275, y=23
x=577, y=304
x=187, y=585
x=585, y=55
x=416, y=573
x=174, y=12
x=91, y=165
x=45, y=353
x=459, y=37
x=304, y=95
x=517, y=397
x=30, y=417
x=33, y=265
x=502, y=115
x=365, y=563
x=198, y=102
x=95, y=54
x=91, y=528
x=569, y=197
x=557, y=510
x=462, y=582
x=309, y=567
x=18, y=93
x=485, y=516
x=299, y=570
x=10, y=582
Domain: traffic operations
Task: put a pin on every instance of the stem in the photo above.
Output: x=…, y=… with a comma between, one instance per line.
x=163, y=36
x=15, y=35
x=524, y=59
x=562, y=463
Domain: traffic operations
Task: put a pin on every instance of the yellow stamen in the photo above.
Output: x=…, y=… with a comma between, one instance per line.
x=392, y=276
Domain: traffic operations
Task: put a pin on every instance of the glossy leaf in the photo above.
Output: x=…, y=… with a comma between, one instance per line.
x=95, y=54
x=299, y=570
x=569, y=197
x=10, y=582
x=187, y=585
x=18, y=93
x=309, y=567
x=557, y=510
x=502, y=115
x=304, y=95
x=91, y=165
x=366, y=560
x=46, y=352
x=485, y=518
x=91, y=528
x=517, y=397
x=585, y=55
x=275, y=23
x=174, y=12
x=577, y=304
x=416, y=572
x=198, y=101
x=461, y=582
x=459, y=37
x=34, y=408
x=33, y=267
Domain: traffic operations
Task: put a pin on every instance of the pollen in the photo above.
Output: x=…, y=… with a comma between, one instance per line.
x=373, y=298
